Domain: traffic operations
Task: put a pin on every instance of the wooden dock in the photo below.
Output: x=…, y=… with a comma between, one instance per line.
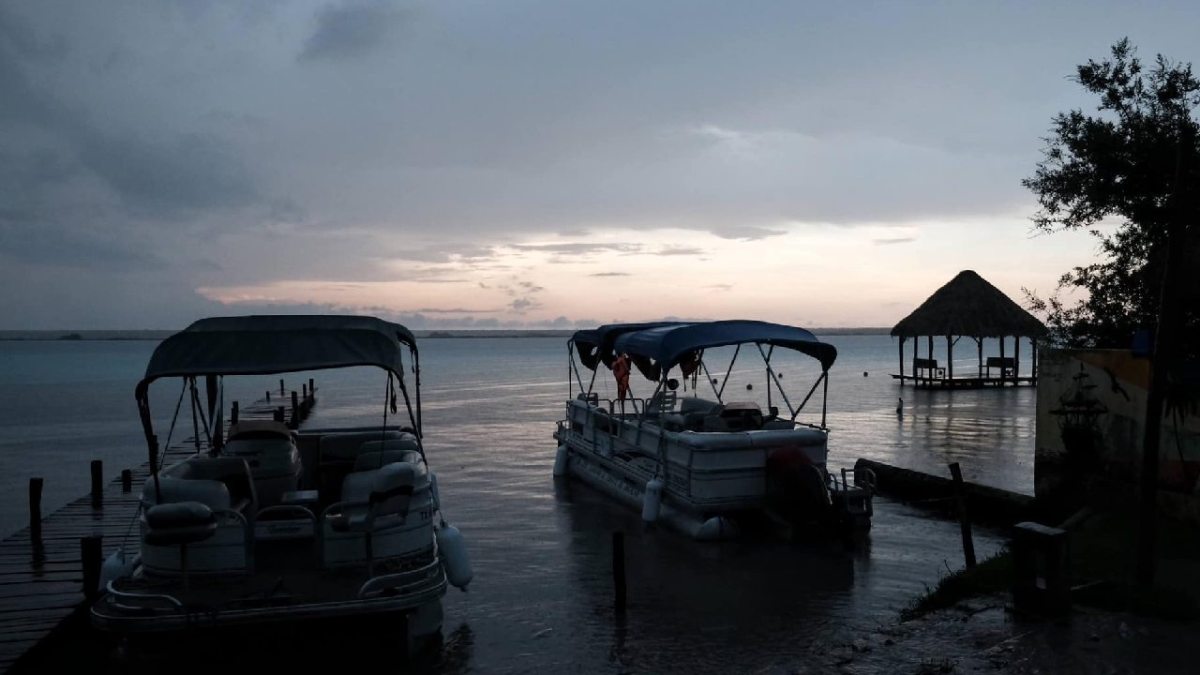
x=964, y=381
x=43, y=567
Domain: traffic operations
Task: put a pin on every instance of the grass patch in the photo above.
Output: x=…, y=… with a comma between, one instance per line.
x=1101, y=559
x=991, y=575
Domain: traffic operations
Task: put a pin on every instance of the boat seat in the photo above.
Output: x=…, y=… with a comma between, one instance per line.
x=215, y=482
x=179, y=523
x=345, y=446
x=694, y=404
x=373, y=493
x=379, y=458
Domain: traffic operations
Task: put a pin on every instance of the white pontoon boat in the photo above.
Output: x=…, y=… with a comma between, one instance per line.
x=704, y=466
x=273, y=525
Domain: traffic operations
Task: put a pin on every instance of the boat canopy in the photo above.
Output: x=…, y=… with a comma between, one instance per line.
x=595, y=345
x=657, y=350
x=263, y=345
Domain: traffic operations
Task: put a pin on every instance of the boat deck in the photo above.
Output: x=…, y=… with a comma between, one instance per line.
x=41, y=577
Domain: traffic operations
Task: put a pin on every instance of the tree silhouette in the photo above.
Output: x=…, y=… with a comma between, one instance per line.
x=1135, y=161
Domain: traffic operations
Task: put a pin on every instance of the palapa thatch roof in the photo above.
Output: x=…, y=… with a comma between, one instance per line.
x=969, y=305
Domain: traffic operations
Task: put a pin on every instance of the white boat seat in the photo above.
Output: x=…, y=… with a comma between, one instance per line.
x=378, y=458
x=405, y=442
x=213, y=494
x=179, y=523
x=346, y=446
x=373, y=493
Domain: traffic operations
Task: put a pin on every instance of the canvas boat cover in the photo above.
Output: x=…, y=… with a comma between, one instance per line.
x=263, y=345
x=659, y=349
x=595, y=345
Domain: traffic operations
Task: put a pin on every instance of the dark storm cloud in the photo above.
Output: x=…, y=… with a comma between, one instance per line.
x=351, y=29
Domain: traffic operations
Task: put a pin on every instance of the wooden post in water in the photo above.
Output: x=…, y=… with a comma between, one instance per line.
x=126, y=481
x=268, y=396
x=964, y=523
x=282, y=391
x=279, y=414
x=97, y=484
x=295, y=410
x=233, y=413
x=618, y=571
x=312, y=388
x=91, y=556
x=304, y=390
x=35, y=511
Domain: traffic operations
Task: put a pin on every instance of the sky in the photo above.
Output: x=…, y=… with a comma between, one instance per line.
x=526, y=163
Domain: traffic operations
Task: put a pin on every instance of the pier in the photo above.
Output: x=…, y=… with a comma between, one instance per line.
x=49, y=570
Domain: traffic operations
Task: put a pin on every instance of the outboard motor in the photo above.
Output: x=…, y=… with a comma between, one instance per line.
x=796, y=488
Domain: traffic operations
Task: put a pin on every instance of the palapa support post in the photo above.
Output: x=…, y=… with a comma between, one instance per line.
x=979, y=349
x=1033, y=360
x=618, y=571
x=929, y=355
x=97, y=484
x=126, y=481
x=964, y=522
x=91, y=556
x=902, y=339
x=950, y=358
x=35, y=511
x=1002, y=378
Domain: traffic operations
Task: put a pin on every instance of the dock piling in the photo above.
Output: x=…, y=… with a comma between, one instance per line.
x=282, y=390
x=312, y=387
x=964, y=523
x=295, y=410
x=35, y=511
x=279, y=414
x=97, y=484
x=618, y=571
x=92, y=556
x=233, y=413
x=126, y=481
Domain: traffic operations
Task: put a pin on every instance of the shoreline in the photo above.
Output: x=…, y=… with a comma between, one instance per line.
x=68, y=335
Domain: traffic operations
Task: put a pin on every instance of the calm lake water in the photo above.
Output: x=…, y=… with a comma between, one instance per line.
x=541, y=600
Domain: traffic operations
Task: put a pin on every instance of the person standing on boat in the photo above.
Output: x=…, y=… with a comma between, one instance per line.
x=620, y=369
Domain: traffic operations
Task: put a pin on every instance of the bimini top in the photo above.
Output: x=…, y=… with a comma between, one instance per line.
x=595, y=345
x=667, y=346
x=263, y=345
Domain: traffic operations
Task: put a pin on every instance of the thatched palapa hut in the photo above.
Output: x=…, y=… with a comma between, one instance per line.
x=969, y=306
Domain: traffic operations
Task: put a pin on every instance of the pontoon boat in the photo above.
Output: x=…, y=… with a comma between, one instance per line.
x=704, y=466
x=270, y=524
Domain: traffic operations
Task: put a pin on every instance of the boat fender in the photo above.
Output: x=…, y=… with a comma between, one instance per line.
x=561, y=458
x=116, y=566
x=717, y=528
x=652, y=500
x=453, y=551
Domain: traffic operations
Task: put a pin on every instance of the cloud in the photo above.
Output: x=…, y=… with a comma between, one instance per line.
x=351, y=30
x=679, y=250
x=610, y=274
x=884, y=241
x=522, y=305
x=579, y=247
x=746, y=232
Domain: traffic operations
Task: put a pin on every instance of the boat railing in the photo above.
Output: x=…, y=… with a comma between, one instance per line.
x=399, y=582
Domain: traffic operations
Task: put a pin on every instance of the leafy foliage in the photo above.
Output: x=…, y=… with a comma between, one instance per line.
x=1136, y=161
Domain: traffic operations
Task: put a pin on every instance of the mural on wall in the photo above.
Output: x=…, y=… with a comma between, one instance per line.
x=1090, y=409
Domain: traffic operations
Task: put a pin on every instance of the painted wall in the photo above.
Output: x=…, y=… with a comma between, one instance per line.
x=1091, y=405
